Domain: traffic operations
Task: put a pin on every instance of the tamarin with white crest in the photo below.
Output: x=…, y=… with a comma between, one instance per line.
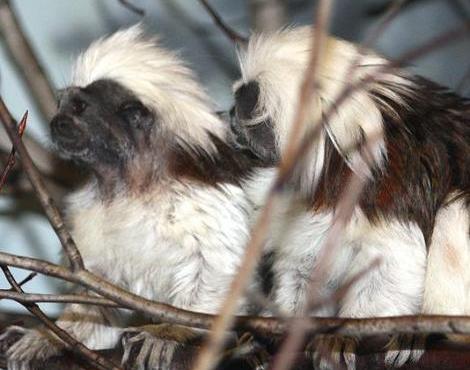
x=413, y=213
x=163, y=213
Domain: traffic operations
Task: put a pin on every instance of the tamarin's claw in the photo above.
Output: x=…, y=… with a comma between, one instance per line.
x=328, y=351
x=152, y=347
x=33, y=348
x=404, y=348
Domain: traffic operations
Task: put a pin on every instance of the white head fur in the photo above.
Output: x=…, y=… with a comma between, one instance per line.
x=277, y=62
x=157, y=76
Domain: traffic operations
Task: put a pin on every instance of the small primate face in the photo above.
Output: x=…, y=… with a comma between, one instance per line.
x=101, y=124
x=249, y=125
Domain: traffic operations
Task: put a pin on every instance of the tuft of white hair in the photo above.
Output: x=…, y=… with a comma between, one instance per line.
x=278, y=61
x=158, y=77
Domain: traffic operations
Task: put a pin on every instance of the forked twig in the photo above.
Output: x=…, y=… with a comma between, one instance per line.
x=93, y=358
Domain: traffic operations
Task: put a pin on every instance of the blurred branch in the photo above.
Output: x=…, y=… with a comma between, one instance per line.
x=208, y=356
x=135, y=9
x=288, y=164
x=267, y=15
x=381, y=8
x=26, y=62
x=230, y=33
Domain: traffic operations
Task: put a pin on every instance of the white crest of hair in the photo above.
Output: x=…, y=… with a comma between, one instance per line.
x=278, y=61
x=158, y=77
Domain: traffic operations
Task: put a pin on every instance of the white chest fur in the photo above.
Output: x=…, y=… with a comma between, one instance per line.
x=181, y=246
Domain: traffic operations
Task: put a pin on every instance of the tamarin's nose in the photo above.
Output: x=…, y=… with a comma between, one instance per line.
x=63, y=127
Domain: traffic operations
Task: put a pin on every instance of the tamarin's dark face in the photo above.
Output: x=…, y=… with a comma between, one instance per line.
x=101, y=124
x=251, y=131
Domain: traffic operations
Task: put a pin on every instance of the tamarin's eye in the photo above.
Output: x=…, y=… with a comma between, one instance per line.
x=78, y=105
x=135, y=114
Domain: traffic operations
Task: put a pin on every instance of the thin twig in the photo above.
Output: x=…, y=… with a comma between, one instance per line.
x=11, y=157
x=133, y=8
x=71, y=343
x=46, y=200
x=25, y=60
x=230, y=33
x=254, y=246
x=28, y=278
x=382, y=7
x=388, y=17
x=345, y=208
x=285, y=357
x=208, y=355
x=432, y=45
x=307, y=88
x=57, y=298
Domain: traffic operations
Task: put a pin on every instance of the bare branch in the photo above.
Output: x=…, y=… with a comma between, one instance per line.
x=441, y=354
x=56, y=298
x=230, y=33
x=267, y=15
x=135, y=9
x=46, y=200
x=209, y=353
x=27, y=279
x=26, y=61
x=71, y=343
x=11, y=158
x=263, y=326
x=295, y=337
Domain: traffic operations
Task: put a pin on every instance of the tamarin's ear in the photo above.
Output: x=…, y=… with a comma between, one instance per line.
x=136, y=115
